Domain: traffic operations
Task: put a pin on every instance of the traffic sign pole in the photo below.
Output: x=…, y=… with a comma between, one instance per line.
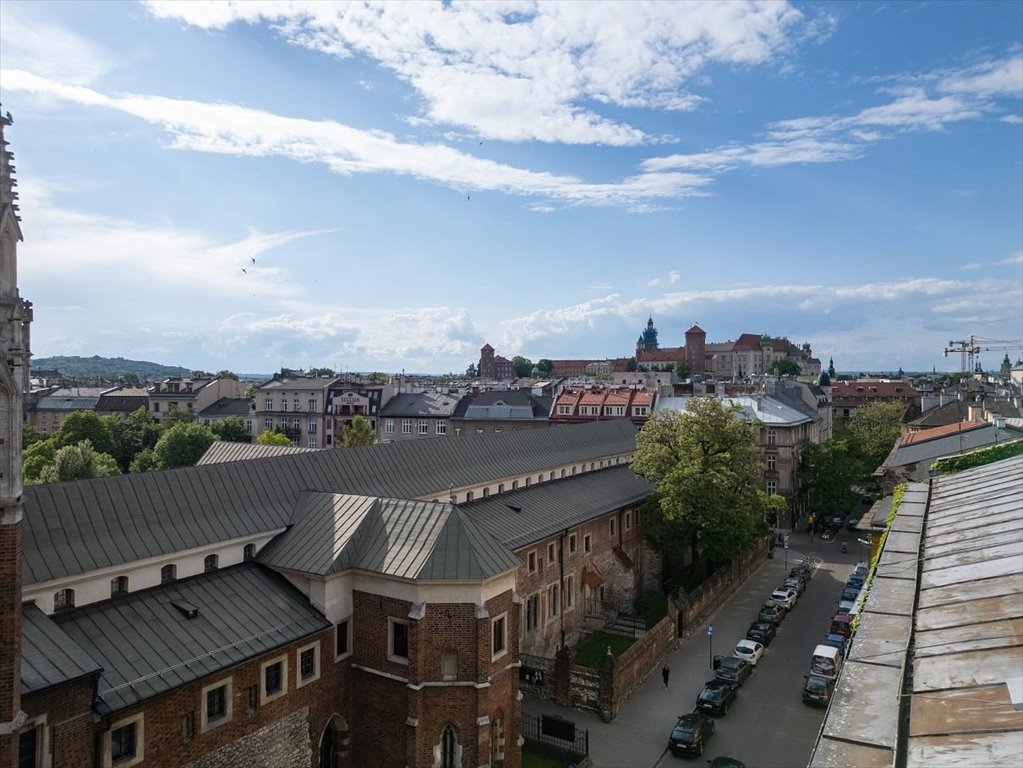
x=710, y=644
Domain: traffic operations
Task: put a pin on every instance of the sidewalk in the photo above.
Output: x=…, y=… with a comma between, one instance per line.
x=639, y=735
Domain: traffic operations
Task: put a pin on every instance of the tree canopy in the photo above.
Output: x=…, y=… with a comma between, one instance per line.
x=523, y=365
x=706, y=467
x=78, y=462
x=784, y=368
x=357, y=432
x=269, y=437
x=231, y=429
x=181, y=445
x=826, y=474
x=874, y=428
x=545, y=366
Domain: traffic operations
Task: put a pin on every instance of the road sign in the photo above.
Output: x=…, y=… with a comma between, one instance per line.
x=710, y=629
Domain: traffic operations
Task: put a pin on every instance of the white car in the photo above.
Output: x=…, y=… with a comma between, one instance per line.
x=786, y=596
x=797, y=584
x=750, y=650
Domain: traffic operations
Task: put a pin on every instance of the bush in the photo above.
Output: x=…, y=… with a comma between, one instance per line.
x=978, y=458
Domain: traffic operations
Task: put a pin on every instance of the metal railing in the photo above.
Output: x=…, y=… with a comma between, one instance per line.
x=557, y=732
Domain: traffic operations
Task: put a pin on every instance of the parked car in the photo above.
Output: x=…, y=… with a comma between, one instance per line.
x=854, y=520
x=836, y=520
x=724, y=761
x=818, y=690
x=690, y=734
x=844, y=606
x=761, y=632
x=841, y=624
x=836, y=640
x=732, y=668
x=826, y=661
x=786, y=596
x=796, y=583
x=855, y=581
x=802, y=570
x=717, y=696
x=849, y=593
x=749, y=650
x=772, y=612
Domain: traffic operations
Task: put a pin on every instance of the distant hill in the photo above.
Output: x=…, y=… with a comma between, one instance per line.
x=107, y=368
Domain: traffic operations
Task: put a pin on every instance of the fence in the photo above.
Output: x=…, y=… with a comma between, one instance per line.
x=556, y=732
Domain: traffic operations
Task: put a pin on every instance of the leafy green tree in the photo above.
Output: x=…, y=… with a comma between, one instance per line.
x=131, y=434
x=36, y=458
x=31, y=435
x=268, y=437
x=826, y=474
x=144, y=461
x=200, y=374
x=357, y=432
x=86, y=425
x=523, y=365
x=471, y=372
x=181, y=445
x=874, y=428
x=317, y=372
x=226, y=374
x=784, y=368
x=682, y=369
x=177, y=415
x=131, y=379
x=546, y=366
x=706, y=466
x=78, y=462
x=231, y=430
x=631, y=365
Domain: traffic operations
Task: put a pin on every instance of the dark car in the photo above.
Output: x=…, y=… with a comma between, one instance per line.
x=732, y=668
x=772, y=612
x=804, y=571
x=690, y=734
x=853, y=521
x=717, y=696
x=849, y=593
x=761, y=631
x=855, y=581
x=726, y=762
x=818, y=689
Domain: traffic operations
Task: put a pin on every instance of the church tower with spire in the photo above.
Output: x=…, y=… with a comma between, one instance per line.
x=15, y=317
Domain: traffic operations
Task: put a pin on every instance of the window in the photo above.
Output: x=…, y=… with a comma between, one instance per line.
x=500, y=487
x=296, y=424
x=532, y=612
x=273, y=679
x=397, y=631
x=156, y=409
x=30, y=747
x=249, y=552
x=772, y=463
x=424, y=427
x=552, y=601
x=586, y=543
x=389, y=426
x=342, y=639
x=496, y=742
x=268, y=422
x=448, y=754
x=406, y=426
x=268, y=404
x=639, y=410
x=469, y=496
x=564, y=410
x=216, y=704
x=449, y=665
x=569, y=593
x=311, y=442
x=551, y=476
x=248, y=426
x=562, y=473
x=284, y=403
x=571, y=543
x=119, y=586
x=187, y=727
x=628, y=521
x=312, y=426
x=611, y=526
x=499, y=635
x=126, y=743
x=308, y=663
x=772, y=437
x=312, y=404
x=772, y=487
x=486, y=492
x=442, y=427
x=296, y=404
x=531, y=562
x=551, y=551
x=63, y=600
x=515, y=485
x=210, y=563
x=528, y=481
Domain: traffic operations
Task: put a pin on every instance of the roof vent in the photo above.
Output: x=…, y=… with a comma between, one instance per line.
x=187, y=610
x=513, y=508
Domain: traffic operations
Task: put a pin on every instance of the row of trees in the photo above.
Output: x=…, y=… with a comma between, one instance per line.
x=88, y=445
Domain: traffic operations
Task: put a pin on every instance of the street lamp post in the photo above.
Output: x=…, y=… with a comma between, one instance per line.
x=710, y=644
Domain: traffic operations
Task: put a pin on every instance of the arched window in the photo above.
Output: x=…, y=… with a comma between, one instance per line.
x=211, y=563
x=468, y=495
x=447, y=754
x=250, y=552
x=63, y=600
x=118, y=586
x=168, y=573
x=497, y=740
x=486, y=492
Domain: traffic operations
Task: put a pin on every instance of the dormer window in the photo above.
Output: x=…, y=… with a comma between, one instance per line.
x=63, y=600
x=210, y=563
x=119, y=586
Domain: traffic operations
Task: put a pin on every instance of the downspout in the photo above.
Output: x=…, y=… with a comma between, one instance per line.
x=561, y=586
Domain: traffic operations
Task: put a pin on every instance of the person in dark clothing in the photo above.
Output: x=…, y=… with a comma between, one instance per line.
x=664, y=675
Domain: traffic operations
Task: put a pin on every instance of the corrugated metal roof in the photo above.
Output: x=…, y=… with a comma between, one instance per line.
x=531, y=514
x=55, y=403
x=431, y=404
x=48, y=656
x=398, y=537
x=222, y=451
x=72, y=528
x=766, y=409
x=227, y=406
x=147, y=646
x=930, y=450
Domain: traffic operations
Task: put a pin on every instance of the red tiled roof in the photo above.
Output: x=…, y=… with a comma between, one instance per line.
x=665, y=355
x=487, y=347
x=949, y=429
x=696, y=329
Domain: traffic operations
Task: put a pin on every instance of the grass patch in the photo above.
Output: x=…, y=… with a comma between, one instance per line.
x=591, y=651
x=538, y=757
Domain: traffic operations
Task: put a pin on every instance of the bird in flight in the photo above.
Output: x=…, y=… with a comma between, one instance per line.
x=253, y=259
x=245, y=270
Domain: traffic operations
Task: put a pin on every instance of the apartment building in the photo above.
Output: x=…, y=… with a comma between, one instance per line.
x=296, y=406
x=577, y=404
x=190, y=395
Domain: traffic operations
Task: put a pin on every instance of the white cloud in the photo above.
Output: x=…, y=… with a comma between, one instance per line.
x=1012, y=119
x=1016, y=258
x=32, y=42
x=235, y=130
x=970, y=266
x=522, y=71
x=988, y=79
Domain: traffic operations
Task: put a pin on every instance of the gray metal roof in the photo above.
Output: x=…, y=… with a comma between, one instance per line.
x=532, y=514
x=423, y=404
x=928, y=451
x=505, y=405
x=227, y=406
x=66, y=403
x=764, y=408
x=397, y=537
x=48, y=656
x=147, y=646
x=221, y=451
x=76, y=527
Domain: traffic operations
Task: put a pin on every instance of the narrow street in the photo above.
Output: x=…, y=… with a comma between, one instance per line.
x=768, y=726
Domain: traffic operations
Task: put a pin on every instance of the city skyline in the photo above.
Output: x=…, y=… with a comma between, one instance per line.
x=392, y=186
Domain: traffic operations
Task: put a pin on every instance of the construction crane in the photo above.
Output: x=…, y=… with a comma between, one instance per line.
x=969, y=350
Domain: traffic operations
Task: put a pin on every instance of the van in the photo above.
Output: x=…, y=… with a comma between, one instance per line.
x=826, y=661
x=840, y=624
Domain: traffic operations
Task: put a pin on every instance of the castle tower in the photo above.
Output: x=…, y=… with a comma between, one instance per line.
x=15, y=316
x=647, y=341
x=486, y=368
x=696, y=349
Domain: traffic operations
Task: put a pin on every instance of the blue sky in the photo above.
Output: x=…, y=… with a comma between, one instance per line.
x=242, y=185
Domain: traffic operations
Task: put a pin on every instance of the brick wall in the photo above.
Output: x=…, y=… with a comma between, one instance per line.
x=10, y=625
x=69, y=719
x=284, y=741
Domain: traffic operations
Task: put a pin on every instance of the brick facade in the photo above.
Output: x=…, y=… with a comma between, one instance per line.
x=70, y=730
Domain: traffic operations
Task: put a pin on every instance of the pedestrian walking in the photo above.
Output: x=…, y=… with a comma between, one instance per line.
x=664, y=675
